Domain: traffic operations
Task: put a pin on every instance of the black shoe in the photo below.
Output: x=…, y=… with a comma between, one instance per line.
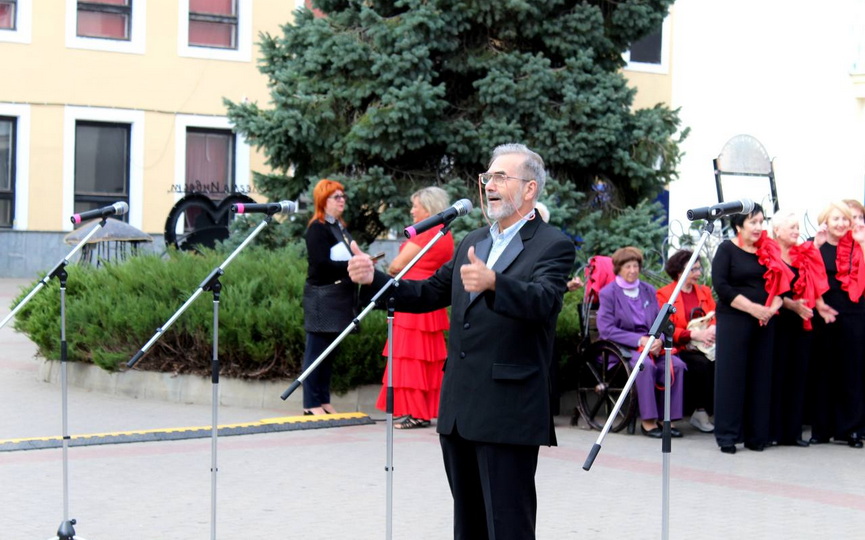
x=729, y=449
x=801, y=442
x=818, y=440
x=755, y=447
x=308, y=413
x=853, y=441
x=655, y=433
x=675, y=433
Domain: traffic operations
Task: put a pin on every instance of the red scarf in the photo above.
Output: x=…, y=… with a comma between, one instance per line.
x=778, y=276
x=851, y=267
x=812, y=282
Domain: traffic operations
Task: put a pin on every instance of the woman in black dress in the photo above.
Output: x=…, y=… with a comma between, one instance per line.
x=747, y=304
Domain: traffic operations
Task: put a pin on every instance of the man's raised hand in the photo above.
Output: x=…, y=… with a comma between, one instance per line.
x=361, y=269
x=476, y=277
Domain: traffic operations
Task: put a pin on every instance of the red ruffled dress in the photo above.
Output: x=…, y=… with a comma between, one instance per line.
x=419, y=348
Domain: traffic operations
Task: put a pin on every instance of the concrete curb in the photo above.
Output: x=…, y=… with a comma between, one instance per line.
x=198, y=390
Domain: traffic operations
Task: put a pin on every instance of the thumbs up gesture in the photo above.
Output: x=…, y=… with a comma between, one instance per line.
x=476, y=277
x=360, y=267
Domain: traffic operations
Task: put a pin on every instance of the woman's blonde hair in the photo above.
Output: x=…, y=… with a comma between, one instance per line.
x=433, y=199
x=853, y=203
x=834, y=205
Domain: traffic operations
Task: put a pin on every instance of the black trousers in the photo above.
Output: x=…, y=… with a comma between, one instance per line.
x=743, y=379
x=493, y=486
x=839, y=352
x=793, y=346
x=699, y=386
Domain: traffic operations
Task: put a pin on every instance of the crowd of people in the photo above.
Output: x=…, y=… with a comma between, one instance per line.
x=781, y=348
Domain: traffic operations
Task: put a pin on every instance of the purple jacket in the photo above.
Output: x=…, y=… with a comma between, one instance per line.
x=614, y=316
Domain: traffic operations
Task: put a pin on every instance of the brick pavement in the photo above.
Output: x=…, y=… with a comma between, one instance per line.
x=330, y=483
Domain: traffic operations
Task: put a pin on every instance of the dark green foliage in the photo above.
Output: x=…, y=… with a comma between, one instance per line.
x=390, y=96
x=113, y=311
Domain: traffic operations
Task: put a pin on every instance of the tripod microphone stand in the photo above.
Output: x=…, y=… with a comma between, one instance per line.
x=66, y=531
x=661, y=324
x=394, y=281
x=210, y=283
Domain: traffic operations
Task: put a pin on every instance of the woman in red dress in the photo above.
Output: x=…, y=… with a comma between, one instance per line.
x=419, y=349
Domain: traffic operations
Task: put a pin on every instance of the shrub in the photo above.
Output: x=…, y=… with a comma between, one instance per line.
x=113, y=311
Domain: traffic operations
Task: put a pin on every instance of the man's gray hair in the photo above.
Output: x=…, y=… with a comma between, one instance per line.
x=533, y=166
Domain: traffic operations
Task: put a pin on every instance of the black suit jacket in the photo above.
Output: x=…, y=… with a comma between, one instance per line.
x=496, y=386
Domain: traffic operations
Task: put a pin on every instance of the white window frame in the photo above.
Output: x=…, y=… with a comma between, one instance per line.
x=243, y=53
x=135, y=44
x=23, y=24
x=135, y=119
x=242, y=151
x=22, y=161
x=662, y=68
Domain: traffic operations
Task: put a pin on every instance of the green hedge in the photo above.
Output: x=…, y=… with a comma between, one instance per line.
x=114, y=310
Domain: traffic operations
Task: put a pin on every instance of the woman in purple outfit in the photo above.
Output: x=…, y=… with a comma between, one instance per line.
x=626, y=311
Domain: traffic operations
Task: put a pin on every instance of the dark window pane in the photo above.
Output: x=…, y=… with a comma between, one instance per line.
x=7, y=15
x=5, y=213
x=212, y=34
x=103, y=25
x=101, y=159
x=648, y=49
x=210, y=162
x=7, y=147
x=215, y=7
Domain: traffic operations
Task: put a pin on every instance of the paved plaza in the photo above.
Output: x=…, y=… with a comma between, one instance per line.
x=331, y=483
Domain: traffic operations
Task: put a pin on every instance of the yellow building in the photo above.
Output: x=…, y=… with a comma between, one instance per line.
x=121, y=100
x=111, y=101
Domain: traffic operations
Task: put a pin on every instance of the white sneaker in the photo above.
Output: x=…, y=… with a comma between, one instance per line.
x=700, y=420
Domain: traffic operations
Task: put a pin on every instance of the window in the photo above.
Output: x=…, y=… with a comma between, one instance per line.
x=106, y=25
x=650, y=53
x=215, y=29
x=210, y=162
x=7, y=172
x=15, y=20
x=108, y=19
x=101, y=164
x=7, y=14
x=213, y=23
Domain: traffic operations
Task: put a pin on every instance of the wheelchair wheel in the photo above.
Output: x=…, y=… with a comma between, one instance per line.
x=600, y=381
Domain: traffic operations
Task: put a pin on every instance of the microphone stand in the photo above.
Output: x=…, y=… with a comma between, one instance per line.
x=394, y=281
x=661, y=324
x=66, y=531
x=210, y=283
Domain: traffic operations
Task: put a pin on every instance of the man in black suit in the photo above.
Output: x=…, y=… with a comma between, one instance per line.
x=505, y=286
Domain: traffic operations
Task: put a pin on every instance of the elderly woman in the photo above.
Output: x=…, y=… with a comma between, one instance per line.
x=419, y=349
x=626, y=310
x=838, y=402
x=694, y=301
x=749, y=277
x=793, y=336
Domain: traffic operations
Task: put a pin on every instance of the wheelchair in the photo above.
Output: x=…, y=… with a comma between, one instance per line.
x=603, y=368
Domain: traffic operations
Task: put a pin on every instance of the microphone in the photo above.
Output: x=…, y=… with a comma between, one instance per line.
x=460, y=208
x=743, y=206
x=283, y=207
x=118, y=208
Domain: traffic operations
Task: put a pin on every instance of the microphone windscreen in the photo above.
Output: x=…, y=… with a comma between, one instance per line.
x=121, y=208
x=747, y=206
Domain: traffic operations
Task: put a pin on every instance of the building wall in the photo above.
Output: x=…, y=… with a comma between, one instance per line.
x=152, y=83
x=780, y=72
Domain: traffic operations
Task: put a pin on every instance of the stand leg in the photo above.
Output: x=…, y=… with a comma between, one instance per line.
x=389, y=465
x=66, y=531
x=216, y=287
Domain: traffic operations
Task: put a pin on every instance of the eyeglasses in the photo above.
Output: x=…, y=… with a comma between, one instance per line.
x=339, y=197
x=695, y=269
x=498, y=178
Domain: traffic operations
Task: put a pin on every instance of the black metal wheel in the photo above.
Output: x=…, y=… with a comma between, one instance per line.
x=600, y=381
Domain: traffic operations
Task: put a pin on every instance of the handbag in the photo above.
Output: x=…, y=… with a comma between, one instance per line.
x=329, y=308
x=701, y=323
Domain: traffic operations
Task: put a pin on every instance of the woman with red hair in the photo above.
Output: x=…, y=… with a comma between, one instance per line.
x=329, y=297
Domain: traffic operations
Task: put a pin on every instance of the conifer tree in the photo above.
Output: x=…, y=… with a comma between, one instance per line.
x=389, y=96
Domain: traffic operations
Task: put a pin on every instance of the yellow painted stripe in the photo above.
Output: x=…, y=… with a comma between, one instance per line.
x=264, y=421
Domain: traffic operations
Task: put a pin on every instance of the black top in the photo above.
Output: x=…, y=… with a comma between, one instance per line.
x=320, y=237
x=836, y=297
x=735, y=272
